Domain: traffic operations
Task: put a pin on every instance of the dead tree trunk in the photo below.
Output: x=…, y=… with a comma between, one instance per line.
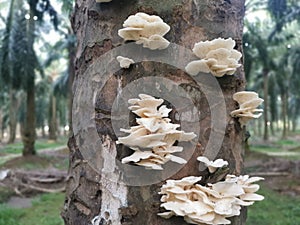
x=98, y=183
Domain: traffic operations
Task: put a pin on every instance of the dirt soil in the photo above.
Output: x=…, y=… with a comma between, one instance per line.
x=280, y=174
x=29, y=176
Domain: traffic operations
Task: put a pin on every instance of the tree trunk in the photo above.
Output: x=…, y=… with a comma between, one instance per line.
x=266, y=104
x=28, y=134
x=295, y=115
x=1, y=125
x=98, y=184
x=13, y=109
x=284, y=115
x=52, y=118
x=71, y=71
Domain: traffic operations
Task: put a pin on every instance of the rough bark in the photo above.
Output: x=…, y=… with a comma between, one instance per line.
x=71, y=71
x=90, y=193
x=28, y=133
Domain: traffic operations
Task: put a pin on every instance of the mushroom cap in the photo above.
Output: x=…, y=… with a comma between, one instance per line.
x=248, y=101
x=151, y=124
x=244, y=96
x=197, y=66
x=202, y=48
x=137, y=156
x=130, y=33
x=147, y=105
x=212, y=165
x=252, y=197
x=141, y=138
x=224, y=206
x=167, y=149
x=124, y=62
x=139, y=20
x=176, y=159
x=217, y=57
x=154, y=131
x=253, y=104
x=145, y=29
x=154, y=42
x=166, y=215
x=228, y=189
x=149, y=165
x=190, y=180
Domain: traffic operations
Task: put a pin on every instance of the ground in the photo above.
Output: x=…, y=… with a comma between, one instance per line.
x=34, y=192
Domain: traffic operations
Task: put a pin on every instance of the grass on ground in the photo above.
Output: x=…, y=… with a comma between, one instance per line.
x=280, y=148
x=16, y=148
x=276, y=209
x=45, y=210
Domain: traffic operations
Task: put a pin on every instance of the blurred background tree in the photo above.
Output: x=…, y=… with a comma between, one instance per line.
x=29, y=67
x=271, y=48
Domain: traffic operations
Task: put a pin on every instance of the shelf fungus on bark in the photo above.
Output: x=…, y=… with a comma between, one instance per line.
x=212, y=165
x=248, y=102
x=125, y=62
x=154, y=137
x=217, y=57
x=210, y=204
x=145, y=29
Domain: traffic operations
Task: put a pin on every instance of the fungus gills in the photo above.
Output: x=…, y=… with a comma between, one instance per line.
x=248, y=102
x=217, y=57
x=154, y=137
x=210, y=204
x=145, y=29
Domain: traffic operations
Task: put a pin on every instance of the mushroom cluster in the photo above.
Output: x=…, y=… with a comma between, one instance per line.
x=125, y=62
x=213, y=165
x=217, y=57
x=211, y=204
x=145, y=29
x=248, y=102
x=154, y=137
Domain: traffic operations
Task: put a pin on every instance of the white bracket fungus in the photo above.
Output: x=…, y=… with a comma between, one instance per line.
x=248, y=102
x=154, y=137
x=211, y=204
x=125, y=62
x=213, y=165
x=147, y=30
x=217, y=57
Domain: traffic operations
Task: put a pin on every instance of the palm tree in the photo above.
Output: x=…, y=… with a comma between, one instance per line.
x=263, y=57
x=19, y=61
x=283, y=12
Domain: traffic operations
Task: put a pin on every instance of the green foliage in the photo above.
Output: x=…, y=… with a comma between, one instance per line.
x=288, y=143
x=10, y=216
x=276, y=209
x=5, y=194
x=45, y=210
x=39, y=145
